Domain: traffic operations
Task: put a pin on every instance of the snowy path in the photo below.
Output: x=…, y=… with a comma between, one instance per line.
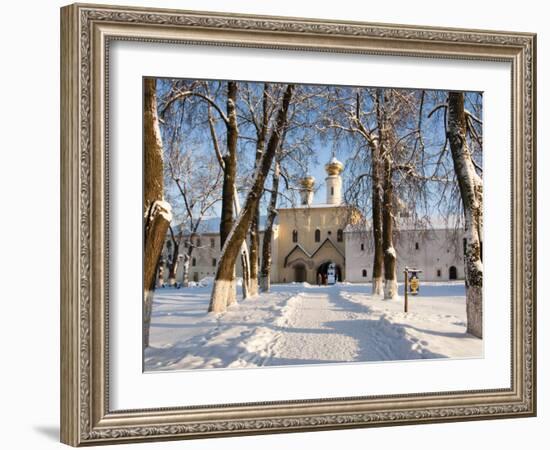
x=308, y=334
x=302, y=324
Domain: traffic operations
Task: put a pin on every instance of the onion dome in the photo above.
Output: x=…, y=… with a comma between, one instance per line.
x=307, y=182
x=334, y=167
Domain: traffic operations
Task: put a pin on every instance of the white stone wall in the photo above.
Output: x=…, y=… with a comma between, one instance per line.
x=438, y=250
x=432, y=251
x=204, y=258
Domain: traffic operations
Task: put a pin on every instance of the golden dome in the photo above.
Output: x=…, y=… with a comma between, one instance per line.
x=334, y=167
x=307, y=182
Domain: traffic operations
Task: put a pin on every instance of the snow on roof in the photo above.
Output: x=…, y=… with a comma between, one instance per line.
x=212, y=225
x=412, y=224
x=422, y=223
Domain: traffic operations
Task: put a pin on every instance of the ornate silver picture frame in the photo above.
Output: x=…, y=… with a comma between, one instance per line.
x=87, y=415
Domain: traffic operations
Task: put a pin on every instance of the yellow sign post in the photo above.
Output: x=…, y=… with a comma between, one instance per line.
x=412, y=285
x=415, y=284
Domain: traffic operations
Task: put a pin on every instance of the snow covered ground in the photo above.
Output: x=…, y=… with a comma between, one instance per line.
x=304, y=324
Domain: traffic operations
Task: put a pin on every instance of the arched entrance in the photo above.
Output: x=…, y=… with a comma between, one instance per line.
x=299, y=273
x=452, y=273
x=322, y=273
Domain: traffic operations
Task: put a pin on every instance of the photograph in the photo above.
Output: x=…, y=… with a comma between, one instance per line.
x=289, y=224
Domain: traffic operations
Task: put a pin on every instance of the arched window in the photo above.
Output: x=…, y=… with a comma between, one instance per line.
x=294, y=236
x=362, y=247
x=416, y=246
x=317, y=235
x=364, y=273
x=339, y=235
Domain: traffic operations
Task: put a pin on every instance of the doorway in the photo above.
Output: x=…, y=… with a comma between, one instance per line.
x=299, y=273
x=452, y=273
x=322, y=273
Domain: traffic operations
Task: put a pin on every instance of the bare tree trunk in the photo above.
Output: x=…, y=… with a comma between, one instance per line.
x=245, y=286
x=390, y=257
x=255, y=224
x=245, y=258
x=229, y=188
x=173, y=266
x=186, y=263
x=471, y=192
x=223, y=291
x=254, y=252
x=265, y=273
x=156, y=212
x=230, y=164
x=377, y=192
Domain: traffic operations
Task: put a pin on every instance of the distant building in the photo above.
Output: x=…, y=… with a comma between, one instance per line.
x=307, y=238
x=438, y=251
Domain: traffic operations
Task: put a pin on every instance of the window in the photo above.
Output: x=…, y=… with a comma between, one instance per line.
x=332, y=190
x=339, y=235
x=195, y=276
x=464, y=246
x=294, y=236
x=362, y=247
x=364, y=271
x=416, y=246
x=212, y=242
x=317, y=235
x=438, y=273
x=194, y=262
x=214, y=262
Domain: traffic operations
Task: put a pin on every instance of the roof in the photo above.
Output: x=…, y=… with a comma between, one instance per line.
x=298, y=247
x=414, y=224
x=315, y=206
x=211, y=225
